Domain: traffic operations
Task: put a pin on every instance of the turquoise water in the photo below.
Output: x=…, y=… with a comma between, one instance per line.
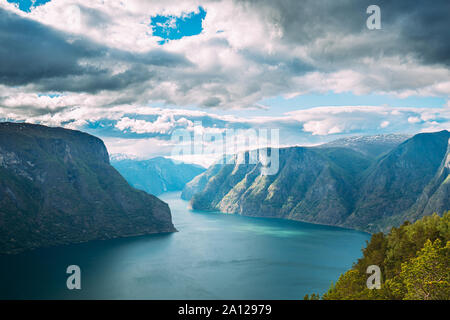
x=213, y=256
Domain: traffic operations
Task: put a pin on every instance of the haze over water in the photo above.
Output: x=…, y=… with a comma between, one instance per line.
x=213, y=256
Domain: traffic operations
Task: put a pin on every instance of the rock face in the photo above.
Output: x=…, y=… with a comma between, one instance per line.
x=157, y=175
x=57, y=187
x=405, y=183
x=199, y=182
x=337, y=185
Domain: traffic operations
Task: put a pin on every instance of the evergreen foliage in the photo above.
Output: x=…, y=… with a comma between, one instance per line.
x=414, y=260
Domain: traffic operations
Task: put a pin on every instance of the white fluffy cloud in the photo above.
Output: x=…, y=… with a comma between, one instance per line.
x=74, y=63
x=245, y=53
x=163, y=124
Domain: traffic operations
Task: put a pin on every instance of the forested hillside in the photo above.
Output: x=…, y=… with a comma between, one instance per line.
x=414, y=260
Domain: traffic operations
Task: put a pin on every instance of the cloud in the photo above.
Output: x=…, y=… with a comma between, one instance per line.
x=26, y=48
x=99, y=66
x=323, y=127
x=163, y=124
x=52, y=60
x=419, y=29
x=246, y=52
x=413, y=119
x=140, y=148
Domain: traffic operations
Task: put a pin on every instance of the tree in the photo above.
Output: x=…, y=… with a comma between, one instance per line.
x=414, y=260
x=427, y=277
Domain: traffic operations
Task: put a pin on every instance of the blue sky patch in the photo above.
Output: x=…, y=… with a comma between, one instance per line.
x=51, y=95
x=27, y=5
x=174, y=28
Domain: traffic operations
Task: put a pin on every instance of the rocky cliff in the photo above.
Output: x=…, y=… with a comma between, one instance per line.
x=391, y=190
x=343, y=184
x=57, y=187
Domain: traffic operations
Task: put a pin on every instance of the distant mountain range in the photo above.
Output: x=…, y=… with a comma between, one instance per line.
x=156, y=175
x=365, y=183
x=57, y=187
x=371, y=146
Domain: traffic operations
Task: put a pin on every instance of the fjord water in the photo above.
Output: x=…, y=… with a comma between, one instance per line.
x=213, y=256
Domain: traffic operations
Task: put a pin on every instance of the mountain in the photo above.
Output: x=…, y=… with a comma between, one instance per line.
x=199, y=182
x=372, y=146
x=57, y=187
x=435, y=197
x=313, y=184
x=156, y=175
x=392, y=187
x=121, y=156
x=337, y=184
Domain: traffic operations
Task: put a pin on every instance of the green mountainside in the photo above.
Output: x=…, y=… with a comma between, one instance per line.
x=57, y=187
x=393, y=185
x=349, y=185
x=199, y=182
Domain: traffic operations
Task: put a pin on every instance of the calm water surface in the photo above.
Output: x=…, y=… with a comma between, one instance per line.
x=213, y=256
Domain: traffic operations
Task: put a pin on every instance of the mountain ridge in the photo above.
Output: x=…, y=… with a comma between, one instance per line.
x=333, y=185
x=58, y=187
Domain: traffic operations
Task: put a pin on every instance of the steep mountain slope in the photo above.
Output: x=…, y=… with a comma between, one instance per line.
x=57, y=187
x=394, y=184
x=157, y=175
x=337, y=185
x=436, y=195
x=315, y=185
x=199, y=182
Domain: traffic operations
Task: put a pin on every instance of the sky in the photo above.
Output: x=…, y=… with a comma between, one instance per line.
x=134, y=72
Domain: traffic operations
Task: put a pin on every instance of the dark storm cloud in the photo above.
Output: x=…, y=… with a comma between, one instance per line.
x=156, y=57
x=32, y=111
x=95, y=81
x=426, y=30
x=33, y=53
x=211, y=102
x=30, y=52
x=420, y=28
